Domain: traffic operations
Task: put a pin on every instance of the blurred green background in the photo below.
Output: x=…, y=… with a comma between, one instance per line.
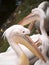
x=11, y=12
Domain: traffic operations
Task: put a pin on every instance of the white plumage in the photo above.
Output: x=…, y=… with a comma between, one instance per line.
x=10, y=57
x=15, y=55
x=44, y=39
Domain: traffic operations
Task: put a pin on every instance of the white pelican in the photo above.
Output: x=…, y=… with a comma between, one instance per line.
x=30, y=18
x=44, y=37
x=16, y=56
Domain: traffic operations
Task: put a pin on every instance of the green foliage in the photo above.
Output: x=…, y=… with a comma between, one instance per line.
x=3, y=45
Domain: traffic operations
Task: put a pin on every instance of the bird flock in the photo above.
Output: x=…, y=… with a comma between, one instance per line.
x=24, y=47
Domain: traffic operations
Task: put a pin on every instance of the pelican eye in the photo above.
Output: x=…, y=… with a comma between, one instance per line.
x=23, y=31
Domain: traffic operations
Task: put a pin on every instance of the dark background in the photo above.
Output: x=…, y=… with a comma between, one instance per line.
x=8, y=6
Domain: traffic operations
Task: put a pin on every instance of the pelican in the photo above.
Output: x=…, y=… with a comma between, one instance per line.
x=45, y=17
x=44, y=37
x=30, y=18
x=14, y=36
x=44, y=21
x=34, y=19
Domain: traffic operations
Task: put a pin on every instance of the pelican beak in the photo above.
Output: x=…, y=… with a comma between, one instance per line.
x=28, y=19
x=30, y=45
x=31, y=18
x=38, y=43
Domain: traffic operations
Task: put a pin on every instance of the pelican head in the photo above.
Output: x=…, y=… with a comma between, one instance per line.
x=16, y=30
